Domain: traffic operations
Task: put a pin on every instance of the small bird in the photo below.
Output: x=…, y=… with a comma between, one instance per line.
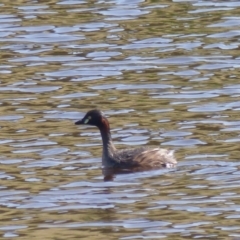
x=142, y=157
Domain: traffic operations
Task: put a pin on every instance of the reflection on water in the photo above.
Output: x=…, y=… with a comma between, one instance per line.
x=164, y=73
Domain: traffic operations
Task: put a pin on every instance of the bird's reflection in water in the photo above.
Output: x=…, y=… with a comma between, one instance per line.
x=110, y=173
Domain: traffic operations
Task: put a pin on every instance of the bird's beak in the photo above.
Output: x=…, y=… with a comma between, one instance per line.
x=79, y=122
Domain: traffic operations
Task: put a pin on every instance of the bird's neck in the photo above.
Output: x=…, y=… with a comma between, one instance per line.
x=108, y=146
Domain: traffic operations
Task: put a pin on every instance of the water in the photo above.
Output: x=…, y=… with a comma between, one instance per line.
x=165, y=73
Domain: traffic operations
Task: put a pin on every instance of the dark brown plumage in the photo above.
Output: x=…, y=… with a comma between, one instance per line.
x=130, y=158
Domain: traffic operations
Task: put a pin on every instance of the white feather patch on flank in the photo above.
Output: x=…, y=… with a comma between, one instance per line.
x=171, y=152
x=170, y=165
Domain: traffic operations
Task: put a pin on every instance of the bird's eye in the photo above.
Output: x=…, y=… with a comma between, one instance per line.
x=87, y=120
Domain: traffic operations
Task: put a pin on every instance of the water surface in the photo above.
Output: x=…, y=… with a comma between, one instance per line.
x=164, y=73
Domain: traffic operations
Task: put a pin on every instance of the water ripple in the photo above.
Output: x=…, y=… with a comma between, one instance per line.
x=165, y=75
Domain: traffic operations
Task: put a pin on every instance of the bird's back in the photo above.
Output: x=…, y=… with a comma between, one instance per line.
x=145, y=157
